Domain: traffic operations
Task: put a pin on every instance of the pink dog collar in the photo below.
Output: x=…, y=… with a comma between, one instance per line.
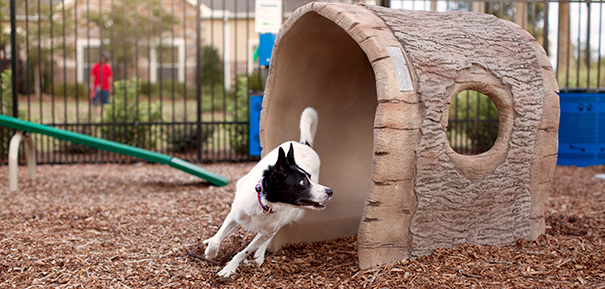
x=259, y=190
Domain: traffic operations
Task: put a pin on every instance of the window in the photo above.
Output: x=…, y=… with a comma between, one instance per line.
x=88, y=53
x=168, y=61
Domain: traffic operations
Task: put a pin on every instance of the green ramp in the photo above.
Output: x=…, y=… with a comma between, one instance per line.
x=113, y=146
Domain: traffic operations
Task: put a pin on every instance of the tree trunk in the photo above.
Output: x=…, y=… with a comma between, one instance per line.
x=478, y=7
x=37, y=81
x=563, y=56
x=520, y=16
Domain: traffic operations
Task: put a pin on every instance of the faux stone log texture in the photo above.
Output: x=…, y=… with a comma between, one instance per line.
x=398, y=184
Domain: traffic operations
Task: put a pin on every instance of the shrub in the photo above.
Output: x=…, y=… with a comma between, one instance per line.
x=70, y=90
x=237, y=109
x=6, y=107
x=132, y=122
x=186, y=138
x=6, y=90
x=257, y=84
x=169, y=89
x=75, y=148
x=212, y=65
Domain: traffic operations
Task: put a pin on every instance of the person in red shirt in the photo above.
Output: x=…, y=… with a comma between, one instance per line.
x=101, y=81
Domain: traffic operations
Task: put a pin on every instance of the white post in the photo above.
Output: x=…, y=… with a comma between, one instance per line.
x=13, y=159
x=30, y=156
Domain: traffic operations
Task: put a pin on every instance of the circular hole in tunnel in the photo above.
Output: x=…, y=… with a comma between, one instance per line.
x=472, y=123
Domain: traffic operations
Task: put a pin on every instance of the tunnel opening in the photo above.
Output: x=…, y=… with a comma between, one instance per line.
x=317, y=64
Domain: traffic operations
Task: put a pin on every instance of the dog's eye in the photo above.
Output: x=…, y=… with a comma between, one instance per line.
x=302, y=182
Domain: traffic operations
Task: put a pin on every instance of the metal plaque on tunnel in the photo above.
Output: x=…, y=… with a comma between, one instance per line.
x=401, y=69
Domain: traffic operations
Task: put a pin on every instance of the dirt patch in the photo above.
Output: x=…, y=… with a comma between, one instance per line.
x=100, y=226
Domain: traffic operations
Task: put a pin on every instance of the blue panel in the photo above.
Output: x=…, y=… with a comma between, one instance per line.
x=577, y=127
x=266, y=42
x=256, y=104
x=602, y=126
x=578, y=97
x=582, y=129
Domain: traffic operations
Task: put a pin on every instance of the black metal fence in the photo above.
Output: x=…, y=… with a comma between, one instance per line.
x=181, y=74
x=183, y=70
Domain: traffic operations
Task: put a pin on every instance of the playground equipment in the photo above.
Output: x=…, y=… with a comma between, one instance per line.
x=582, y=128
x=381, y=81
x=22, y=125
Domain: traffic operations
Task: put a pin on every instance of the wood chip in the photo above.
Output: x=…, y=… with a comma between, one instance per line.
x=141, y=226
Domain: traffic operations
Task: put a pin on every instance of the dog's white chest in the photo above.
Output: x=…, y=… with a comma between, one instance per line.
x=253, y=219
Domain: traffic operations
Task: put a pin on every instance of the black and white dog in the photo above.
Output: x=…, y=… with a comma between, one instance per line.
x=273, y=194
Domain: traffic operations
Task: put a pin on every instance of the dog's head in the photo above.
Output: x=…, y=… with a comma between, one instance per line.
x=285, y=182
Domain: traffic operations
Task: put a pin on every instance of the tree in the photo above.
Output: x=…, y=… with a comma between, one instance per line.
x=130, y=28
x=3, y=36
x=212, y=66
x=44, y=31
x=564, y=42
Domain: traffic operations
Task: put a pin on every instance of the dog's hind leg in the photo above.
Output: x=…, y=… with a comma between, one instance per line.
x=214, y=243
x=241, y=256
x=259, y=255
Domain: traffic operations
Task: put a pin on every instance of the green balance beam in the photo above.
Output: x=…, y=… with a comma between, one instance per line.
x=112, y=146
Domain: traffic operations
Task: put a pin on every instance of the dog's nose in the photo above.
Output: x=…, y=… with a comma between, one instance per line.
x=329, y=191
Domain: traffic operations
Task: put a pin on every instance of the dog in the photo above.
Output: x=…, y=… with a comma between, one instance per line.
x=273, y=194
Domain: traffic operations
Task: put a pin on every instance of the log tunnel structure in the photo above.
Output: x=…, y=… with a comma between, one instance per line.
x=382, y=80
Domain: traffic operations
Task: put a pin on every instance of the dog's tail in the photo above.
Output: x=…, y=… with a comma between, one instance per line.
x=308, y=126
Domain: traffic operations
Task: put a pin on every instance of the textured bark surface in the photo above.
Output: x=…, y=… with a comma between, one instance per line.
x=545, y=155
x=421, y=194
x=453, y=206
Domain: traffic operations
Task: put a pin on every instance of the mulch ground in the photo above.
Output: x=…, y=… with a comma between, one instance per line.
x=136, y=226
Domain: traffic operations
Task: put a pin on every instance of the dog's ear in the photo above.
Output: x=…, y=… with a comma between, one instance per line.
x=290, y=158
x=281, y=166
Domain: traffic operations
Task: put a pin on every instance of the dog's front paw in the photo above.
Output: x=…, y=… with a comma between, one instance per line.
x=228, y=270
x=211, y=249
x=259, y=256
x=259, y=260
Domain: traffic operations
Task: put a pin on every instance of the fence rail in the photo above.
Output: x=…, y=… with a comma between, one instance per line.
x=183, y=70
